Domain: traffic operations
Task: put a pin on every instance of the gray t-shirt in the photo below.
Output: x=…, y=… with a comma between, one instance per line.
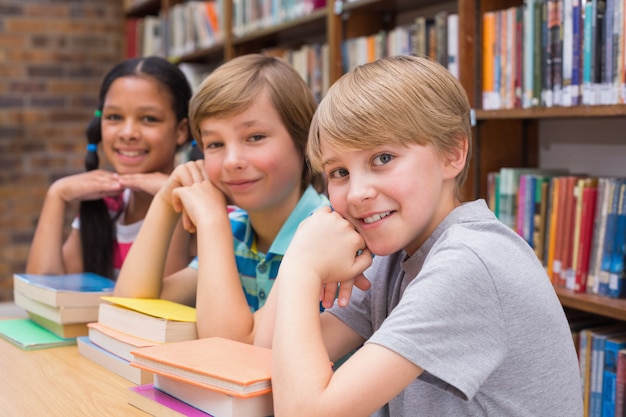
x=475, y=309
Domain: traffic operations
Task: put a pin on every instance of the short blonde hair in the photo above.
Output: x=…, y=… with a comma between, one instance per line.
x=402, y=99
x=232, y=87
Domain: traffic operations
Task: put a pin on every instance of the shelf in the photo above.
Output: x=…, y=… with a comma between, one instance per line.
x=213, y=54
x=385, y=5
x=143, y=8
x=591, y=303
x=616, y=110
x=298, y=28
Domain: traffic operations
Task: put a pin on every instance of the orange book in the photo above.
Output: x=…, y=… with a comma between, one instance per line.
x=569, y=220
x=554, y=220
x=213, y=19
x=489, y=41
x=216, y=364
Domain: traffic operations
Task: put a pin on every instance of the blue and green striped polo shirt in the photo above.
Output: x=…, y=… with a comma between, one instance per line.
x=257, y=271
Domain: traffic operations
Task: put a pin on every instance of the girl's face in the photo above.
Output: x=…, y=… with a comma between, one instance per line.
x=252, y=159
x=394, y=195
x=139, y=127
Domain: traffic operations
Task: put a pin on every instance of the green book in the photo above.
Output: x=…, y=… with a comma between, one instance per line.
x=28, y=335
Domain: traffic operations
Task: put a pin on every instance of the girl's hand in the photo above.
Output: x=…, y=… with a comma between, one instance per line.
x=183, y=175
x=197, y=202
x=329, y=245
x=149, y=183
x=92, y=185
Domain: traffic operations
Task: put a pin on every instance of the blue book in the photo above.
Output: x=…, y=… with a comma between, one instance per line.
x=598, y=342
x=68, y=290
x=609, y=239
x=616, y=275
x=612, y=347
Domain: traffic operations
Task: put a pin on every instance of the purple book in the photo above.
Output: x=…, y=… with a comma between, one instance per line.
x=158, y=403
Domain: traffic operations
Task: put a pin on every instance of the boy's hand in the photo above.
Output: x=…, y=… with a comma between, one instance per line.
x=328, y=244
x=199, y=201
x=183, y=175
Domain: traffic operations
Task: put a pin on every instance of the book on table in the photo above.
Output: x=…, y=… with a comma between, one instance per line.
x=214, y=403
x=66, y=331
x=156, y=320
x=234, y=368
x=60, y=315
x=213, y=374
x=112, y=362
x=54, y=301
x=28, y=335
x=116, y=342
x=160, y=404
x=67, y=290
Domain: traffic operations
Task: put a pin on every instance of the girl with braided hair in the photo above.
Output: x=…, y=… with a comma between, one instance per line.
x=140, y=123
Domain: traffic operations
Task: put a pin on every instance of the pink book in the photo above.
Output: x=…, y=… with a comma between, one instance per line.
x=157, y=403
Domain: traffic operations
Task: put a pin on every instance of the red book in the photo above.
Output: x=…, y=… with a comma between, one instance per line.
x=587, y=216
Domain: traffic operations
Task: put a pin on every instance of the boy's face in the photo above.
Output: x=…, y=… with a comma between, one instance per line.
x=252, y=159
x=394, y=195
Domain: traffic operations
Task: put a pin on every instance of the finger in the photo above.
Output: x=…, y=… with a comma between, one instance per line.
x=345, y=292
x=361, y=282
x=330, y=292
x=188, y=225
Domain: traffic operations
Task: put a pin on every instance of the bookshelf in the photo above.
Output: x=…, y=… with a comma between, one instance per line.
x=502, y=138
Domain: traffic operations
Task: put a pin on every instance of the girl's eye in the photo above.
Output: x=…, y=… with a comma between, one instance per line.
x=338, y=173
x=112, y=116
x=150, y=119
x=382, y=159
x=256, y=138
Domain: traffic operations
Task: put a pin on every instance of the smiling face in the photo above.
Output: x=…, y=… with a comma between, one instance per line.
x=252, y=158
x=395, y=195
x=140, y=132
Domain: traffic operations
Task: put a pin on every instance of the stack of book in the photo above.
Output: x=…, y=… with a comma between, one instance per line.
x=62, y=304
x=126, y=324
x=217, y=376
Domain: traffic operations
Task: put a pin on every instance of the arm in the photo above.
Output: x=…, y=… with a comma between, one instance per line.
x=48, y=254
x=221, y=305
x=302, y=379
x=143, y=270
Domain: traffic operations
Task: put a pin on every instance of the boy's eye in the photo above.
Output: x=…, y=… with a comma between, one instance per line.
x=382, y=159
x=338, y=173
x=212, y=145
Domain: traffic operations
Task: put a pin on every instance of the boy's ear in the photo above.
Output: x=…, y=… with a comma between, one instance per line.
x=182, y=132
x=457, y=157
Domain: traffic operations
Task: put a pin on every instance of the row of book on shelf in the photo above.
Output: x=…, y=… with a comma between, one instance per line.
x=189, y=26
x=152, y=343
x=575, y=223
x=601, y=348
x=554, y=53
x=435, y=37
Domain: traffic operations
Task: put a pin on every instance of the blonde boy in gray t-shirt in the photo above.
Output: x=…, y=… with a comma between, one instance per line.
x=457, y=316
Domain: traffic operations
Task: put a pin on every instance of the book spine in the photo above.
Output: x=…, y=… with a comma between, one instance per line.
x=588, y=52
x=529, y=33
x=609, y=239
x=620, y=384
x=616, y=275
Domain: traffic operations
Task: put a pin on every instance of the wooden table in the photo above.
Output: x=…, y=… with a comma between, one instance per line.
x=59, y=382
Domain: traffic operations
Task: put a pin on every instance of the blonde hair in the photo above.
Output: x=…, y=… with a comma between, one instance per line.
x=402, y=99
x=234, y=85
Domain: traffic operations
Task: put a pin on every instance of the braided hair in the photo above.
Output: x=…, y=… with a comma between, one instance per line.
x=97, y=226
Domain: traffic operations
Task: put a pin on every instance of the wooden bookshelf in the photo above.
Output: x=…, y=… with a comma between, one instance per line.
x=501, y=137
x=592, y=303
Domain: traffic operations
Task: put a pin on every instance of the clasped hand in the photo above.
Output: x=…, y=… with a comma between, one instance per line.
x=328, y=244
x=189, y=191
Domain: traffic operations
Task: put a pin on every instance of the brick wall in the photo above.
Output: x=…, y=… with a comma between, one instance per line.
x=53, y=55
